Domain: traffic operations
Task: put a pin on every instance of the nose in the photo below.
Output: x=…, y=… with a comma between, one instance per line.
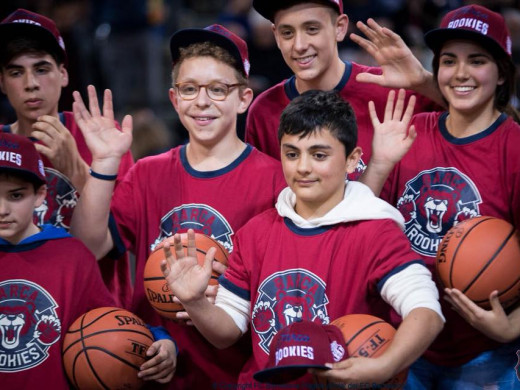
x=300, y=41
x=31, y=81
x=4, y=208
x=203, y=99
x=461, y=71
x=304, y=164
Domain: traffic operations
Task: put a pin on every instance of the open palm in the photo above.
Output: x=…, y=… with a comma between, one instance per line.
x=186, y=278
x=101, y=134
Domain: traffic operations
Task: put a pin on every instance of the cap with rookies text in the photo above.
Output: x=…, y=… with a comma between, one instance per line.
x=26, y=23
x=475, y=23
x=268, y=8
x=216, y=34
x=299, y=346
x=18, y=154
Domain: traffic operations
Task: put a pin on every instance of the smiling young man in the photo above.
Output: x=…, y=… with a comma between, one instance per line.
x=32, y=75
x=214, y=184
x=328, y=249
x=307, y=33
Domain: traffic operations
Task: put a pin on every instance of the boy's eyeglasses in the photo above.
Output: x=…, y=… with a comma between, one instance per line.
x=215, y=91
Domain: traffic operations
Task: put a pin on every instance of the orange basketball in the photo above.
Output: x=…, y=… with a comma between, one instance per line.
x=104, y=348
x=369, y=336
x=155, y=286
x=480, y=255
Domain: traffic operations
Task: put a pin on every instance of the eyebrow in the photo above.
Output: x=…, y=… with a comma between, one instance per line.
x=449, y=54
x=312, y=148
x=18, y=66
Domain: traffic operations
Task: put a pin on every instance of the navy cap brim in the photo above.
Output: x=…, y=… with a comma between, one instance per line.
x=28, y=175
x=10, y=31
x=434, y=39
x=189, y=36
x=284, y=374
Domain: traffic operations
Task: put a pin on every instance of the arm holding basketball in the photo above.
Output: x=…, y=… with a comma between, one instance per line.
x=494, y=323
x=401, y=69
x=188, y=282
x=392, y=139
x=107, y=145
x=418, y=329
x=161, y=367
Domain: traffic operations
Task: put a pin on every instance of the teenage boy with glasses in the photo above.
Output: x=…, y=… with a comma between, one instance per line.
x=214, y=184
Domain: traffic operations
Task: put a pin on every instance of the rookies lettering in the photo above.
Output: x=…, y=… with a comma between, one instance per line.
x=11, y=157
x=297, y=350
x=475, y=24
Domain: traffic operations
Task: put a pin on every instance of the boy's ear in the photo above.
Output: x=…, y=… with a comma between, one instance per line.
x=341, y=27
x=172, y=94
x=41, y=194
x=64, y=75
x=353, y=159
x=246, y=97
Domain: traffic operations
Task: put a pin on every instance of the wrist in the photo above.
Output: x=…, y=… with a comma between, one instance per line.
x=102, y=176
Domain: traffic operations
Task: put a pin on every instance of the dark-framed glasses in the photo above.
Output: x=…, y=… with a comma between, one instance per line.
x=215, y=90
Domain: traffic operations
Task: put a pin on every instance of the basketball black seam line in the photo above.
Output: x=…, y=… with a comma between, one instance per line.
x=457, y=249
x=488, y=263
x=361, y=330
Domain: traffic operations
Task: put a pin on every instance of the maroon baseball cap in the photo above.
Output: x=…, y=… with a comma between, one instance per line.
x=299, y=346
x=26, y=23
x=217, y=34
x=268, y=8
x=18, y=154
x=475, y=23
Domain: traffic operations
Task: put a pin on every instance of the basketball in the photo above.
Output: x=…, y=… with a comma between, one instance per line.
x=155, y=286
x=480, y=255
x=104, y=348
x=369, y=336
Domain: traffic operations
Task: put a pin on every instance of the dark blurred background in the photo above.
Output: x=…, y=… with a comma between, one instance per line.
x=123, y=45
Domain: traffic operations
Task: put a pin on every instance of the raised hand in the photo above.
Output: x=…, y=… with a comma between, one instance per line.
x=401, y=69
x=103, y=138
x=392, y=137
x=186, y=278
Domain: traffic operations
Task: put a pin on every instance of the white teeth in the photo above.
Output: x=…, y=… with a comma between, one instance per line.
x=464, y=89
x=305, y=59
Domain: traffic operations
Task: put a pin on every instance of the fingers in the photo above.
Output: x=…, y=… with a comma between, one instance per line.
x=108, y=110
x=494, y=301
x=373, y=114
x=127, y=124
x=192, y=248
x=179, y=249
x=78, y=108
x=218, y=267
x=93, y=101
x=389, y=108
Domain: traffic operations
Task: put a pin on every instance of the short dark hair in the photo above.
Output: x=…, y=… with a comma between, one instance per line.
x=315, y=110
x=23, y=45
x=26, y=177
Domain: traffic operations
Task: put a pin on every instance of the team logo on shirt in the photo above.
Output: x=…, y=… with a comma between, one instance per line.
x=433, y=202
x=29, y=325
x=199, y=217
x=286, y=297
x=60, y=202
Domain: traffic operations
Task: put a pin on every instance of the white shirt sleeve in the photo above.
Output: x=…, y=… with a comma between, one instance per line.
x=239, y=309
x=411, y=288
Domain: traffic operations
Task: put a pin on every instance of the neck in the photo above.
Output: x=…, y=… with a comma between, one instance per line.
x=24, y=126
x=462, y=125
x=213, y=157
x=324, y=82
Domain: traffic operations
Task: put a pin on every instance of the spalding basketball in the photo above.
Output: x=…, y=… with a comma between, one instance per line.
x=369, y=336
x=104, y=348
x=157, y=291
x=480, y=255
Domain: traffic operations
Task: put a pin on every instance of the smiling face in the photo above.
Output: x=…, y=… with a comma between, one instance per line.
x=468, y=77
x=315, y=168
x=307, y=35
x=209, y=121
x=18, y=200
x=33, y=83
